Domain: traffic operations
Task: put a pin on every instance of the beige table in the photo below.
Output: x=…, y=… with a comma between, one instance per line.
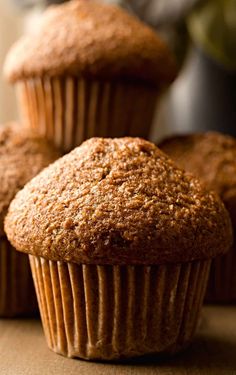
x=23, y=351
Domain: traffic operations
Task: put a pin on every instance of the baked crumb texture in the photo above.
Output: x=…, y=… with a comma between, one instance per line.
x=22, y=156
x=211, y=156
x=90, y=39
x=118, y=201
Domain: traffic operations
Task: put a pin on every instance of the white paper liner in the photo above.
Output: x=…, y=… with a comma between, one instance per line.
x=112, y=312
x=17, y=295
x=70, y=110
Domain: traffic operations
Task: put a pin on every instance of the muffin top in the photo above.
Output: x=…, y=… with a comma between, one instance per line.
x=117, y=201
x=22, y=156
x=91, y=39
x=211, y=157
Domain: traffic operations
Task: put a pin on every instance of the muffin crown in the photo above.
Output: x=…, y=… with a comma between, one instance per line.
x=211, y=157
x=22, y=156
x=88, y=38
x=117, y=201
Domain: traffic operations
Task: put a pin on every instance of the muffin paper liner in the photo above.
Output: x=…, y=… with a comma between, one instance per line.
x=112, y=312
x=222, y=280
x=17, y=295
x=69, y=110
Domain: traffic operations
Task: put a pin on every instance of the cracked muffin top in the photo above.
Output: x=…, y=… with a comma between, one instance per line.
x=91, y=39
x=211, y=157
x=22, y=156
x=117, y=201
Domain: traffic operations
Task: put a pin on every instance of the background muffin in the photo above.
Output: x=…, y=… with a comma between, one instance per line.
x=121, y=243
x=90, y=69
x=22, y=156
x=212, y=158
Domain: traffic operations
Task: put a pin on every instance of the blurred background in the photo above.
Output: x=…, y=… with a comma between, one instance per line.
x=202, y=34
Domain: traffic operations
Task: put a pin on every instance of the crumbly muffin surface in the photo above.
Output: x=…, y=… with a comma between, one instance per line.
x=117, y=201
x=210, y=156
x=91, y=39
x=22, y=156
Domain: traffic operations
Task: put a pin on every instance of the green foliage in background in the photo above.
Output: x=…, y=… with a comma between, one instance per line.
x=213, y=27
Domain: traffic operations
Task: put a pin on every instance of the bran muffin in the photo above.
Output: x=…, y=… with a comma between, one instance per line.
x=211, y=157
x=120, y=243
x=90, y=69
x=22, y=156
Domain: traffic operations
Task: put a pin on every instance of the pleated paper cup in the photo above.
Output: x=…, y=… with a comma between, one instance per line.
x=17, y=295
x=113, y=312
x=69, y=110
x=222, y=280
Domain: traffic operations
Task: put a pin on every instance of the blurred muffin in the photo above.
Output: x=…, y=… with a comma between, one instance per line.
x=121, y=243
x=212, y=158
x=22, y=156
x=90, y=69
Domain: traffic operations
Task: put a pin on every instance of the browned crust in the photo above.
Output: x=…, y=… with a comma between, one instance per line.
x=117, y=201
x=210, y=156
x=94, y=40
x=22, y=156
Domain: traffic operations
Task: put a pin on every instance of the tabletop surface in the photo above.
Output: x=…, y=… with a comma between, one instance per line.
x=23, y=351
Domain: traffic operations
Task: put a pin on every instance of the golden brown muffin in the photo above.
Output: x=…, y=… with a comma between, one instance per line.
x=101, y=41
x=211, y=157
x=95, y=62
x=22, y=156
x=122, y=239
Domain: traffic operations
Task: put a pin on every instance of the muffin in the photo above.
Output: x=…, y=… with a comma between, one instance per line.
x=90, y=69
x=211, y=157
x=22, y=156
x=120, y=243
